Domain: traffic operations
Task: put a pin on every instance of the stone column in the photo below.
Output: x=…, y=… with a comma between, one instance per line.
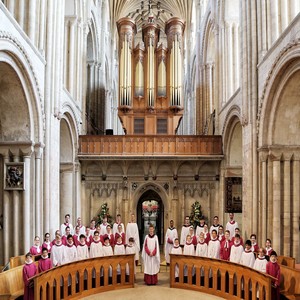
x=21, y=13
x=269, y=23
x=276, y=204
x=263, y=195
x=66, y=188
x=16, y=215
x=230, y=61
x=284, y=13
x=77, y=190
x=296, y=207
x=11, y=6
x=294, y=8
x=38, y=193
x=42, y=32
x=26, y=202
x=287, y=205
x=31, y=20
x=71, y=47
x=6, y=217
x=275, y=21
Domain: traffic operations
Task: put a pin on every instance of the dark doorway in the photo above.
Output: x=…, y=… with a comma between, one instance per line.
x=150, y=209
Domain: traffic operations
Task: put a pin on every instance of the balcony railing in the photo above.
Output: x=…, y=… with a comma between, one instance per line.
x=162, y=145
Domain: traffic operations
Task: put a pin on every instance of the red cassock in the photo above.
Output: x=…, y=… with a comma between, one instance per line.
x=44, y=264
x=273, y=269
x=225, y=250
x=29, y=270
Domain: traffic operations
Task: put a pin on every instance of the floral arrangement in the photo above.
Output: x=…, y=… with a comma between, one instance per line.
x=196, y=214
x=104, y=211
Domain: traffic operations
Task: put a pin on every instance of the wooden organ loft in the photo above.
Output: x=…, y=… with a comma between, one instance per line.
x=150, y=101
x=150, y=77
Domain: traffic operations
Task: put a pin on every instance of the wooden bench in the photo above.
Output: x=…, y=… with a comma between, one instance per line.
x=287, y=261
x=290, y=282
x=11, y=283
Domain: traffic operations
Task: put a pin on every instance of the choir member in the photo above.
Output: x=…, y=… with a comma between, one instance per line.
x=151, y=257
x=88, y=237
x=189, y=248
x=237, y=231
x=36, y=249
x=254, y=246
x=81, y=226
x=201, y=249
x=76, y=236
x=213, y=248
x=96, y=246
x=29, y=270
x=231, y=225
x=221, y=236
x=132, y=230
x=55, y=234
x=185, y=230
x=44, y=262
x=108, y=234
x=82, y=248
x=92, y=227
x=130, y=249
x=200, y=227
x=273, y=269
x=261, y=261
x=248, y=257
x=119, y=247
x=268, y=248
x=57, y=252
x=170, y=236
x=193, y=236
x=236, y=250
x=103, y=226
x=206, y=234
x=215, y=225
x=176, y=249
x=47, y=243
x=107, y=249
x=65, y=236
x=226, y=246
x=65, y=224
x=120, y=233
x=70, y=251
x=117, y=223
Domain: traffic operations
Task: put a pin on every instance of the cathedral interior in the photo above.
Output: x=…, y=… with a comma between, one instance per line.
x=149, y=106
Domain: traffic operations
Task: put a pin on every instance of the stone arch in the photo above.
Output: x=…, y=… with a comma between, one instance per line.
x=285, y=67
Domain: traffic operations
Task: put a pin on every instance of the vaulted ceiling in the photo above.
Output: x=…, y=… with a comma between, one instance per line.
x=139, y=10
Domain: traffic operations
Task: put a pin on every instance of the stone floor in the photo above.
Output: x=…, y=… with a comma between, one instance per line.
x=161, y=291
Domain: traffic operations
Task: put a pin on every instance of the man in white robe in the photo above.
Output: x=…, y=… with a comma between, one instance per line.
x=132, y=230
x=65, y=224
x=171, y=235
x=232, y=225
x=151, y=257
x=117, y=223
x=185, y=229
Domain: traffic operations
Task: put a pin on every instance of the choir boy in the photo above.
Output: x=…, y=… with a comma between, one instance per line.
x=82, y=248
x=273, y=269
x=55, y=234
x=36, y=249
x=92, y=227
x=193, y=236
x=151, y=257
x=237, y=231
x=171, y=234
x=29, y=270
x=65, y=224
x=70, y=250
x=119, y=248
x=176, y=249
x=120, y=233
x=44, y=262
x=254, y=246
x=103, y=226
x=201, y=249
x=47, y=243
x=248, y=257
x=88, y=237
x=213, y=249
x=76, y=236
x=236, y=250
x=130, y=249
x=206, y=234
x=261, y=261
x=269, y=248
x=96, y=246
x=226, y=247
x=117, y=223
x=107, y=249
x=57, y=252
x=110, y=235
x=221, y=236
x=189, y=248
x=65, y=236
